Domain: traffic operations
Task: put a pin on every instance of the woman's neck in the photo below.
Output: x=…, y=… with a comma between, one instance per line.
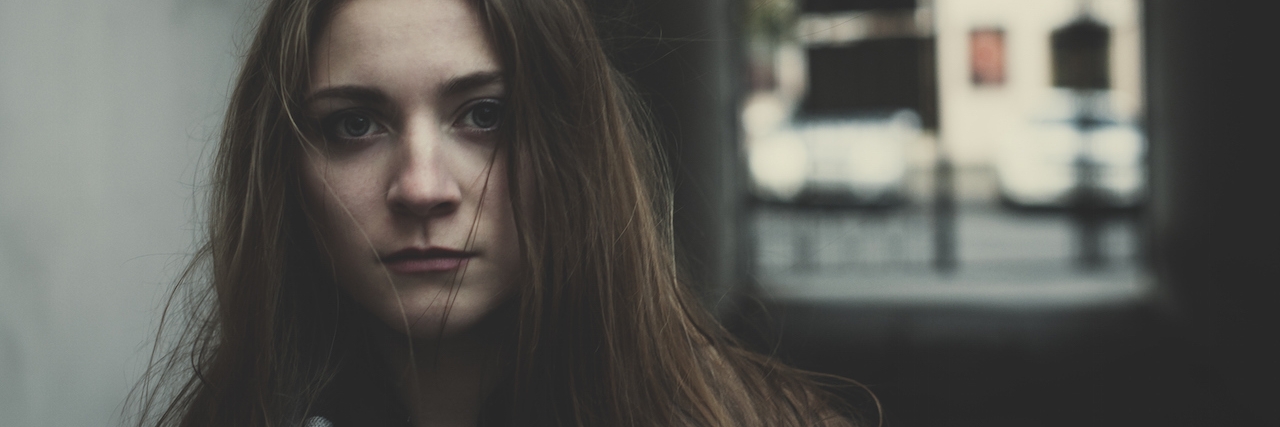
x=443, y=382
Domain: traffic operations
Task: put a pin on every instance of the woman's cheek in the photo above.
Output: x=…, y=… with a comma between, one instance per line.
x=336, y=205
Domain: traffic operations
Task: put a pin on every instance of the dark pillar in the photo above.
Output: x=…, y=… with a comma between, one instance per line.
x=944, y=214
x=1215, y=181
x=683, y=57
x=1081, y=62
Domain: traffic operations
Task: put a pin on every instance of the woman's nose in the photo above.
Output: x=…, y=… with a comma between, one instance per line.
x=423, y=184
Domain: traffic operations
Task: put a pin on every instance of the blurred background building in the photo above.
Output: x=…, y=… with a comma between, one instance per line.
x=990, y=212
x=905, y=149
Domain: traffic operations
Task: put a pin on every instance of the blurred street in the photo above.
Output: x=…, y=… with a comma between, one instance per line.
x=1001, y=255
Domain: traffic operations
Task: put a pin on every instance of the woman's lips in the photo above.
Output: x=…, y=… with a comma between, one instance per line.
x=429, y=260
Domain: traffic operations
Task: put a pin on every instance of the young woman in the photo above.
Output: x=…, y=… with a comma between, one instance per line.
x=447, y=213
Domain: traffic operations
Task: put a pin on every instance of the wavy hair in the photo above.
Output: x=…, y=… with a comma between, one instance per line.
x=605, y=334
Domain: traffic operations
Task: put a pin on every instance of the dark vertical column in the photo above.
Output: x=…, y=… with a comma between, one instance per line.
x=944, y=214
x=1081, y=62
x=683, y=57
x=945, y=258
x=1215, y=181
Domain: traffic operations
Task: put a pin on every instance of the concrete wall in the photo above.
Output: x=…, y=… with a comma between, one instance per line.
x=107, y=111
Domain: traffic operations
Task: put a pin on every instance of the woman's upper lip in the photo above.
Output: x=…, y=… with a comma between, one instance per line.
x=425, y=253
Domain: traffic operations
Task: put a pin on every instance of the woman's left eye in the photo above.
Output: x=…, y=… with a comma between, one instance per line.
x=484, y=115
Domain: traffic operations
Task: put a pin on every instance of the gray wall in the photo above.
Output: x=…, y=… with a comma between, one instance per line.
x=1216, y=238
x=107, y=110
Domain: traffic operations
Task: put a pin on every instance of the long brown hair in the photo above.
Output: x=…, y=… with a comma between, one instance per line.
x=606, y=333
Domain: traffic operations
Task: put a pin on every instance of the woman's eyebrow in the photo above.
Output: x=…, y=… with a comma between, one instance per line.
x=364, y=94
x=360, y=94
x=466, y=83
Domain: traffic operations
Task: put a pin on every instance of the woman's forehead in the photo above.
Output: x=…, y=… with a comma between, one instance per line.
x=395, y=42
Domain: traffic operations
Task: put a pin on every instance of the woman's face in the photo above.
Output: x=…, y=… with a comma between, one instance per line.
x=408, y=172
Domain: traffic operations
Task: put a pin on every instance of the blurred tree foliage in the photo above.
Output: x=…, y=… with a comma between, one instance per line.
x=769, y=21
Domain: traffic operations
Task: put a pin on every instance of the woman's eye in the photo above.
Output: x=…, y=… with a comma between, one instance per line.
x=351, y=125
x=484, y=115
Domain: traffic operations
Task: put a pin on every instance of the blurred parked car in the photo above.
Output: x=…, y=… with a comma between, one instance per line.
x=1039, y=167
x=858, y=160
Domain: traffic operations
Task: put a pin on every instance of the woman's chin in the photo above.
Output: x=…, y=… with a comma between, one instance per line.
x=457, y=318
